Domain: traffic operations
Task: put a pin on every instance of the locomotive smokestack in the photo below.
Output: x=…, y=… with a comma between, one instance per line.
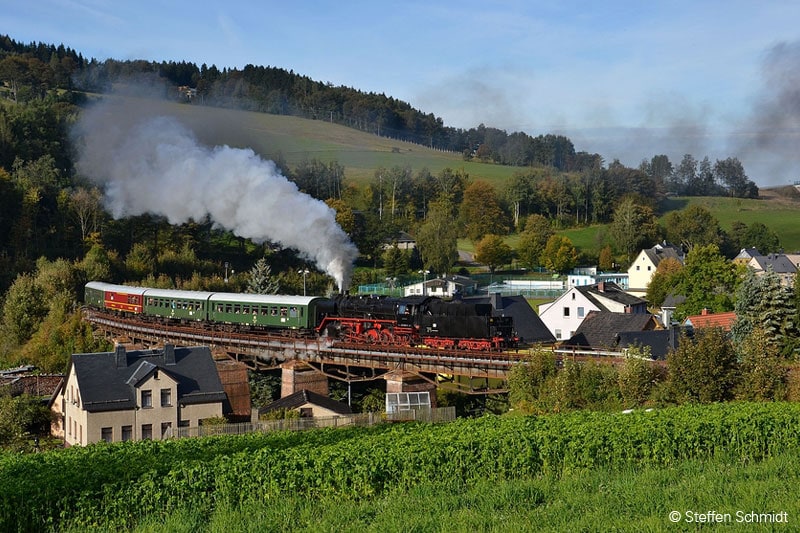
x=155, y=165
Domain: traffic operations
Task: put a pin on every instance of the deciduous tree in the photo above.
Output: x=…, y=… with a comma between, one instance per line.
x=481, y=212
x=703, y=369
x=533, y=240
x=708, y=280
x=633, y=226
x=437, y=238
x=559, y=254
x=493, y=252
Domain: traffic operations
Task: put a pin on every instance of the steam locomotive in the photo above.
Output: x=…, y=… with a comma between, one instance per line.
x=410, y=321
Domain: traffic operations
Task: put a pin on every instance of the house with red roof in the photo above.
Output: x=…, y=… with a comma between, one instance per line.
x=707, y=319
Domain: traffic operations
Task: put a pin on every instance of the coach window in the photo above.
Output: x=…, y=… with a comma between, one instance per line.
x=246, y=309
x=264, y=311
x=228, y=308
x=293, y=312
x=273, y=311
x=284, y=311
x=219, y=308
x=237, y=309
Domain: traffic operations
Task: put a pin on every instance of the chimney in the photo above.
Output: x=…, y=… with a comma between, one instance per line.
x=169, y=354
x=601, y=286
x=674, y=335
x=120, y=356
x=496, y=300
x=704, y=312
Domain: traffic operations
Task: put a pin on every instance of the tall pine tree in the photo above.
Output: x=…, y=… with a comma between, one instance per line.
x=260, y=280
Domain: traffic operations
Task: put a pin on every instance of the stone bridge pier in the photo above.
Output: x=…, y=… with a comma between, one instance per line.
x=298, y=375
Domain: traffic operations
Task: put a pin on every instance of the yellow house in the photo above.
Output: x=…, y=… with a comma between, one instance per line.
x=119, y=396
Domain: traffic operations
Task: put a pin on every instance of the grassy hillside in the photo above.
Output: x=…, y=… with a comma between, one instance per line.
x=779, y=213
x=298, y=139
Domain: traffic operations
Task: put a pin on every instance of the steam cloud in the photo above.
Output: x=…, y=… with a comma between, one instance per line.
x=155, y=165
x=772, y=132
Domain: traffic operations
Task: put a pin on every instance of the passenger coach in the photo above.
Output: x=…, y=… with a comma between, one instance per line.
x=115, y=297
x=176, y=305
x=265, y=310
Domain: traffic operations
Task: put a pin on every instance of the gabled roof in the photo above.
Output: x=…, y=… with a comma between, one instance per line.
x=610, y=291
x=779, y=262
x=107, y=380
x=711, y=320
x=660, y=341
x=303, y=397
x=527, y=323
x=673, y=300
x=746, y=254
x=599, y=330
x=659, y=252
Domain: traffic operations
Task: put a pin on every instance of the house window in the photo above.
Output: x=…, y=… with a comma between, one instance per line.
x=147, y=431
x=127, y=433
x=147, y=399
x=580, y=312
x=649, y=268
x=558, y=334
x=306, y=412
x=638, y=268
x=166, y=430
x=566, y=311
x=166, y=397
x=105, y=434
x=183, y=423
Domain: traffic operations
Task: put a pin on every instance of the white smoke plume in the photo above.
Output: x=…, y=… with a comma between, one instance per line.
x=154, y=164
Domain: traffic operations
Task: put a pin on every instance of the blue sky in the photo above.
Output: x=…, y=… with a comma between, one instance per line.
x=628, y=79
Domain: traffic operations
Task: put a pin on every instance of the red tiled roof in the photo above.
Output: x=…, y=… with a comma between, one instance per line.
x=712, y=320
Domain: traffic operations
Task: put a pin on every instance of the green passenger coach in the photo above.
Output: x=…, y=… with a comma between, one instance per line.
x=175, y=304
x=264, y=310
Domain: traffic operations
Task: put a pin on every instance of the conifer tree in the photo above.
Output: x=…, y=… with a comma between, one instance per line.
x=260, y=279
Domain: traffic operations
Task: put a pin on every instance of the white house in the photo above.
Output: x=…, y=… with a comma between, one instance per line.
x=590, y=276
x=563, y=316
x=644, y=266
x=444, y=287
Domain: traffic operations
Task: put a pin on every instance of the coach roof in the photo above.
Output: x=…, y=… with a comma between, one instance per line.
x=264, y=299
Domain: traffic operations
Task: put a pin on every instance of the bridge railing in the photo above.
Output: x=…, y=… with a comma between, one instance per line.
x=434, y=415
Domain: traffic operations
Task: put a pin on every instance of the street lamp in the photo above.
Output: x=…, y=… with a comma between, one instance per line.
x=424, y=279
x=305, y=273
x=226, y=271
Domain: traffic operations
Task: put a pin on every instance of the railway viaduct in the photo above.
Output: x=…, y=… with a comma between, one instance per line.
x=309, y=362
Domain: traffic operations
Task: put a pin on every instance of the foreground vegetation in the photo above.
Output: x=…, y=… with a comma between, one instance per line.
x=118, y=486
x=630, y=498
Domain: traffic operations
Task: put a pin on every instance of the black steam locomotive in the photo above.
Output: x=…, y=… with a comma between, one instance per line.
x=410, y=321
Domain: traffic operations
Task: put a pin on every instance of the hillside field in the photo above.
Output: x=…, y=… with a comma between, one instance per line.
x=298, y=139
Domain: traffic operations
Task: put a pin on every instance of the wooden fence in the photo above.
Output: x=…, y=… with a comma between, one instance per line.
x=434, y=415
